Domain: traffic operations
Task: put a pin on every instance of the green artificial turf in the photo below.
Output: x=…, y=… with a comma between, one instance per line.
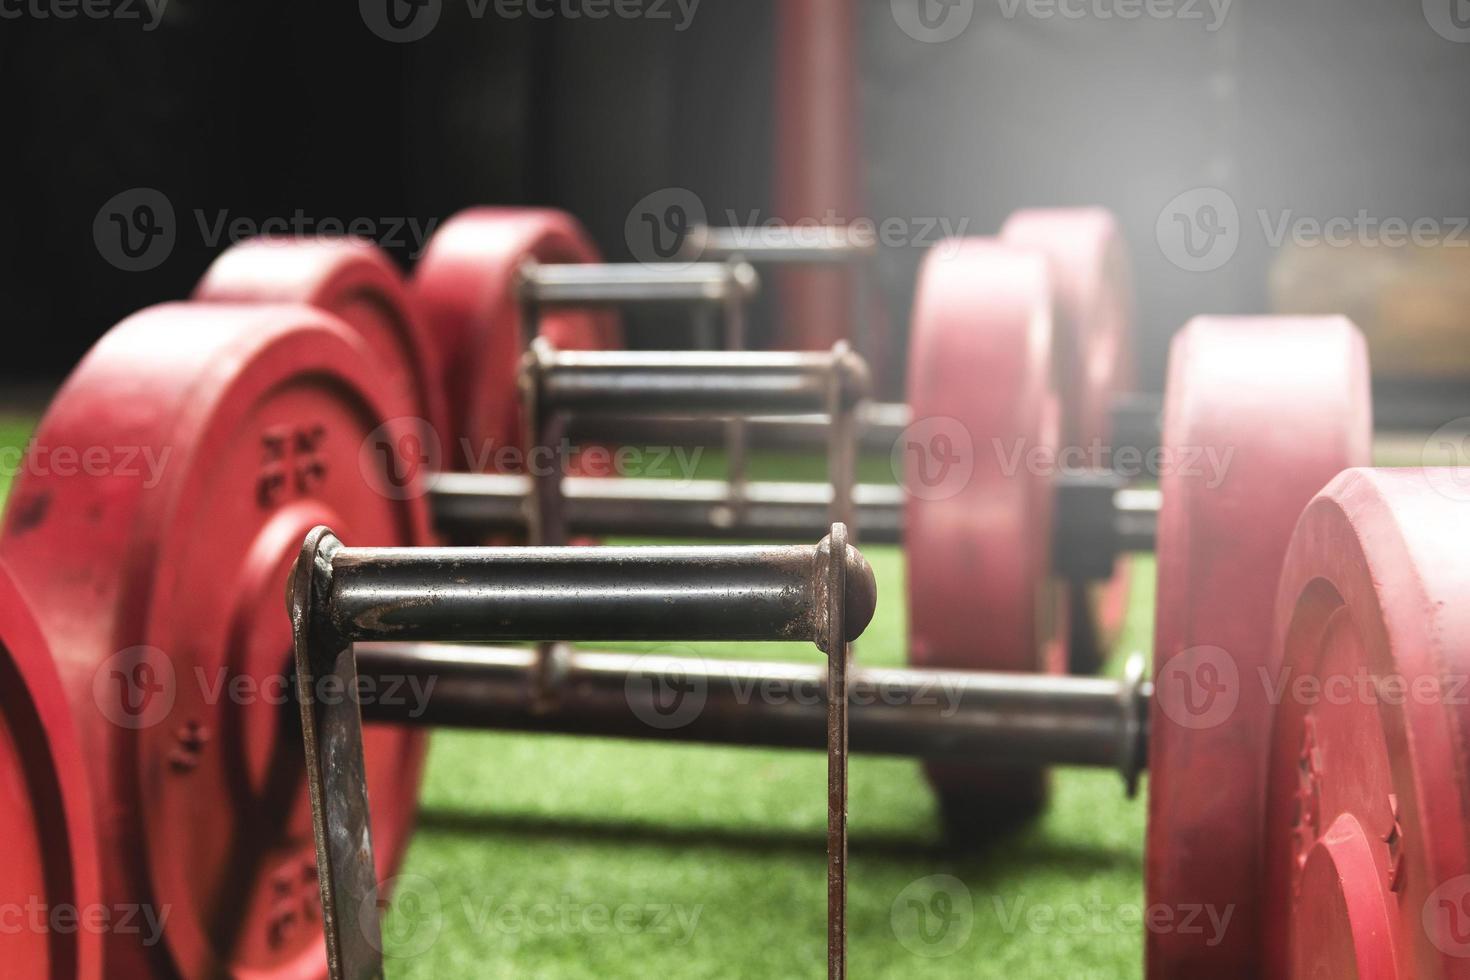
x=542, y=856
x=15, y=431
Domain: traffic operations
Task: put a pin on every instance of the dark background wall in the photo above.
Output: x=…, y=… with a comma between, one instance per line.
x=266, y=109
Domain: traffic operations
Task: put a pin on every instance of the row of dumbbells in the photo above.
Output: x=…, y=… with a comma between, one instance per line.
x=298, y=400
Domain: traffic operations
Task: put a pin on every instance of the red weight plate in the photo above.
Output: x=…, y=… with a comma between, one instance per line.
x=1260, y=413
x=1093, y=295
x=1366, y=863
x=350, y=277
x=49, y=885
x=169, y=489
x=1093, y=292
x=465, y=285
x=978, y=502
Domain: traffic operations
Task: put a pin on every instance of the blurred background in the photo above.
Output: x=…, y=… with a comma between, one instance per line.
x=1218, y=131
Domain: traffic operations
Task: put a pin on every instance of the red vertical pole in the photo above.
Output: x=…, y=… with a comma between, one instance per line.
x=816, y=160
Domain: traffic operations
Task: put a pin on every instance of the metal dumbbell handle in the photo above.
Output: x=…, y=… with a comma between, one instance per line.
x=475, y=506
x=555, y=383
x=698, y=382
x=880, y=425
x=1020, y=720
x=1097, y=517
x=714, y=291
x=634, y=284
x=337, y=596
x=738, y=383
x=580, y=594
x=828, y=245
x=796, y=246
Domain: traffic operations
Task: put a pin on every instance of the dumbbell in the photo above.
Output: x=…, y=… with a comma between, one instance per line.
x=262, y=421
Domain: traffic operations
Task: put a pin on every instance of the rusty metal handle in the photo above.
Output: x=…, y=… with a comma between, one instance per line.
x=827, y=245
x=634, y=283
x=838, y=657
x=825, y=594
